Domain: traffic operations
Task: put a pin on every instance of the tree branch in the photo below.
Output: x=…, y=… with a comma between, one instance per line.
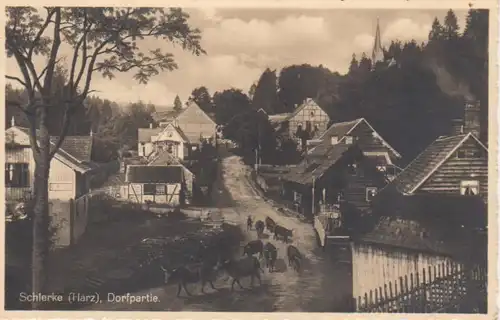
x=16, y=79
x=40, y=32
x=75, y=54
x=53, y=53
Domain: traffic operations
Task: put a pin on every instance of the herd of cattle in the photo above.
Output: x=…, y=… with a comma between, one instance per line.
x=215, y=257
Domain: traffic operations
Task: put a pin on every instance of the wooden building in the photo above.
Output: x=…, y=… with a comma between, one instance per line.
x=338, y=177
x=433, y=212
x=359, y=131
x=307, y=121
x=70, y=169
x=157, y=184
x=180, y=133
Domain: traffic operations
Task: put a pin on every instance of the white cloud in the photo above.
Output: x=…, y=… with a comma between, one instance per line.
x=405, y=30
x=364, y=42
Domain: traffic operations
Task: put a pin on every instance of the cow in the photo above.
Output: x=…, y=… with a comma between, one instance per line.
x=270, y=224
x=249, y=223
x=259, y=227
x=270, y=255
x=280, y=231
x=242, y=267
x=253, y=247
x=294, y=257
x=182, y=276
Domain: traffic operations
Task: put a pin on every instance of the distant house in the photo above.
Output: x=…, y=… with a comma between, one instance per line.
x=372, y=144
x=71, y=170
x=181, y=135
x=307, y=121
x=158, y=184
x=166, y=158
x=340, y=178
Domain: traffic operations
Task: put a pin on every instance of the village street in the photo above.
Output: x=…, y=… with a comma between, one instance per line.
x=319, y=287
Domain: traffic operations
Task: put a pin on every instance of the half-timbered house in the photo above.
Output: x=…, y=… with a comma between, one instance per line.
x=307, y=121
x=157, y=184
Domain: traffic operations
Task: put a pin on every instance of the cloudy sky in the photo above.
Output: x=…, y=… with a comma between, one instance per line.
x=241, y=43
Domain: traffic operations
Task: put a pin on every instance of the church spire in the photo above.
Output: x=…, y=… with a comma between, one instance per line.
x=378, y=52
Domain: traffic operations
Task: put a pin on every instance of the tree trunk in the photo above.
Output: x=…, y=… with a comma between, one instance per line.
x=41, y=241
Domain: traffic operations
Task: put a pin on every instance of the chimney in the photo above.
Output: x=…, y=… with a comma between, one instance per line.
x=457, y=127
x=12, y=122
x=472, y=117
x=151, y=125
x=123, y=165
x=91, y=132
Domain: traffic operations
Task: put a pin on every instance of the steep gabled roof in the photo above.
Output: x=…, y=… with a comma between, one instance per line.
x=75, y=151
x=427, y=162
x=176, y=129
x=317, y=164
x=307, y=102
x=342, y=129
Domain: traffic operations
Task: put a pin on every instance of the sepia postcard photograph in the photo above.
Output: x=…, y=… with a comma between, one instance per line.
x=251, y=157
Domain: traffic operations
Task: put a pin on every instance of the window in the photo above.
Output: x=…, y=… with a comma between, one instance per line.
x=160, y=189
x=149, y=189
x=334, y=140
x=16, y=175
x=370, y=193
x=469, y=187
x=312, y=113
x=316, y=128
x=170, y=148
x=297, y=197
x=349, y=140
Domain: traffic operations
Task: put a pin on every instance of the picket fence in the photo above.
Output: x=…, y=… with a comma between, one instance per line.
x=446, y=288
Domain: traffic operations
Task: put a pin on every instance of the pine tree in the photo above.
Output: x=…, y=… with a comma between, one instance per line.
x=365, y=64
x=354, y=65
x=450, y=26
x=437, y=30
x=177, y=103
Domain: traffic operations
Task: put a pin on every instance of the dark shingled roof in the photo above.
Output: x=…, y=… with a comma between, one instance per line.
x=340, y=129
x=450, y=223
x=76, y=150
x=317, y=164
x=154, y=174
x=79, y=147
x=427, y=162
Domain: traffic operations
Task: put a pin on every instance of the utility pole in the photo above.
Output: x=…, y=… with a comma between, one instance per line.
x=313, y=186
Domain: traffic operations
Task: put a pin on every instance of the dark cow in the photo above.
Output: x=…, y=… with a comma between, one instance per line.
x=270, y=224
x=270, y=255
x=253, y=247
x=259, y=227
x=242, y=267
x=280, y=231
x=294, y=257
x=182, y=276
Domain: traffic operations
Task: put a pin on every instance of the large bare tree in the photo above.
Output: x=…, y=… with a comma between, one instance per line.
x=104, y=41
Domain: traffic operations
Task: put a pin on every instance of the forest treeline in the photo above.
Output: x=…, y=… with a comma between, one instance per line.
x=410, y=98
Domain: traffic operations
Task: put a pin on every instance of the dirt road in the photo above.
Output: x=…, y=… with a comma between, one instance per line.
x=318, y=288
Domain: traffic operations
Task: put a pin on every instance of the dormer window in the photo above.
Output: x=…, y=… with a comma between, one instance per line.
x=334, y=140
x=349, y=140
x=469, y=188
